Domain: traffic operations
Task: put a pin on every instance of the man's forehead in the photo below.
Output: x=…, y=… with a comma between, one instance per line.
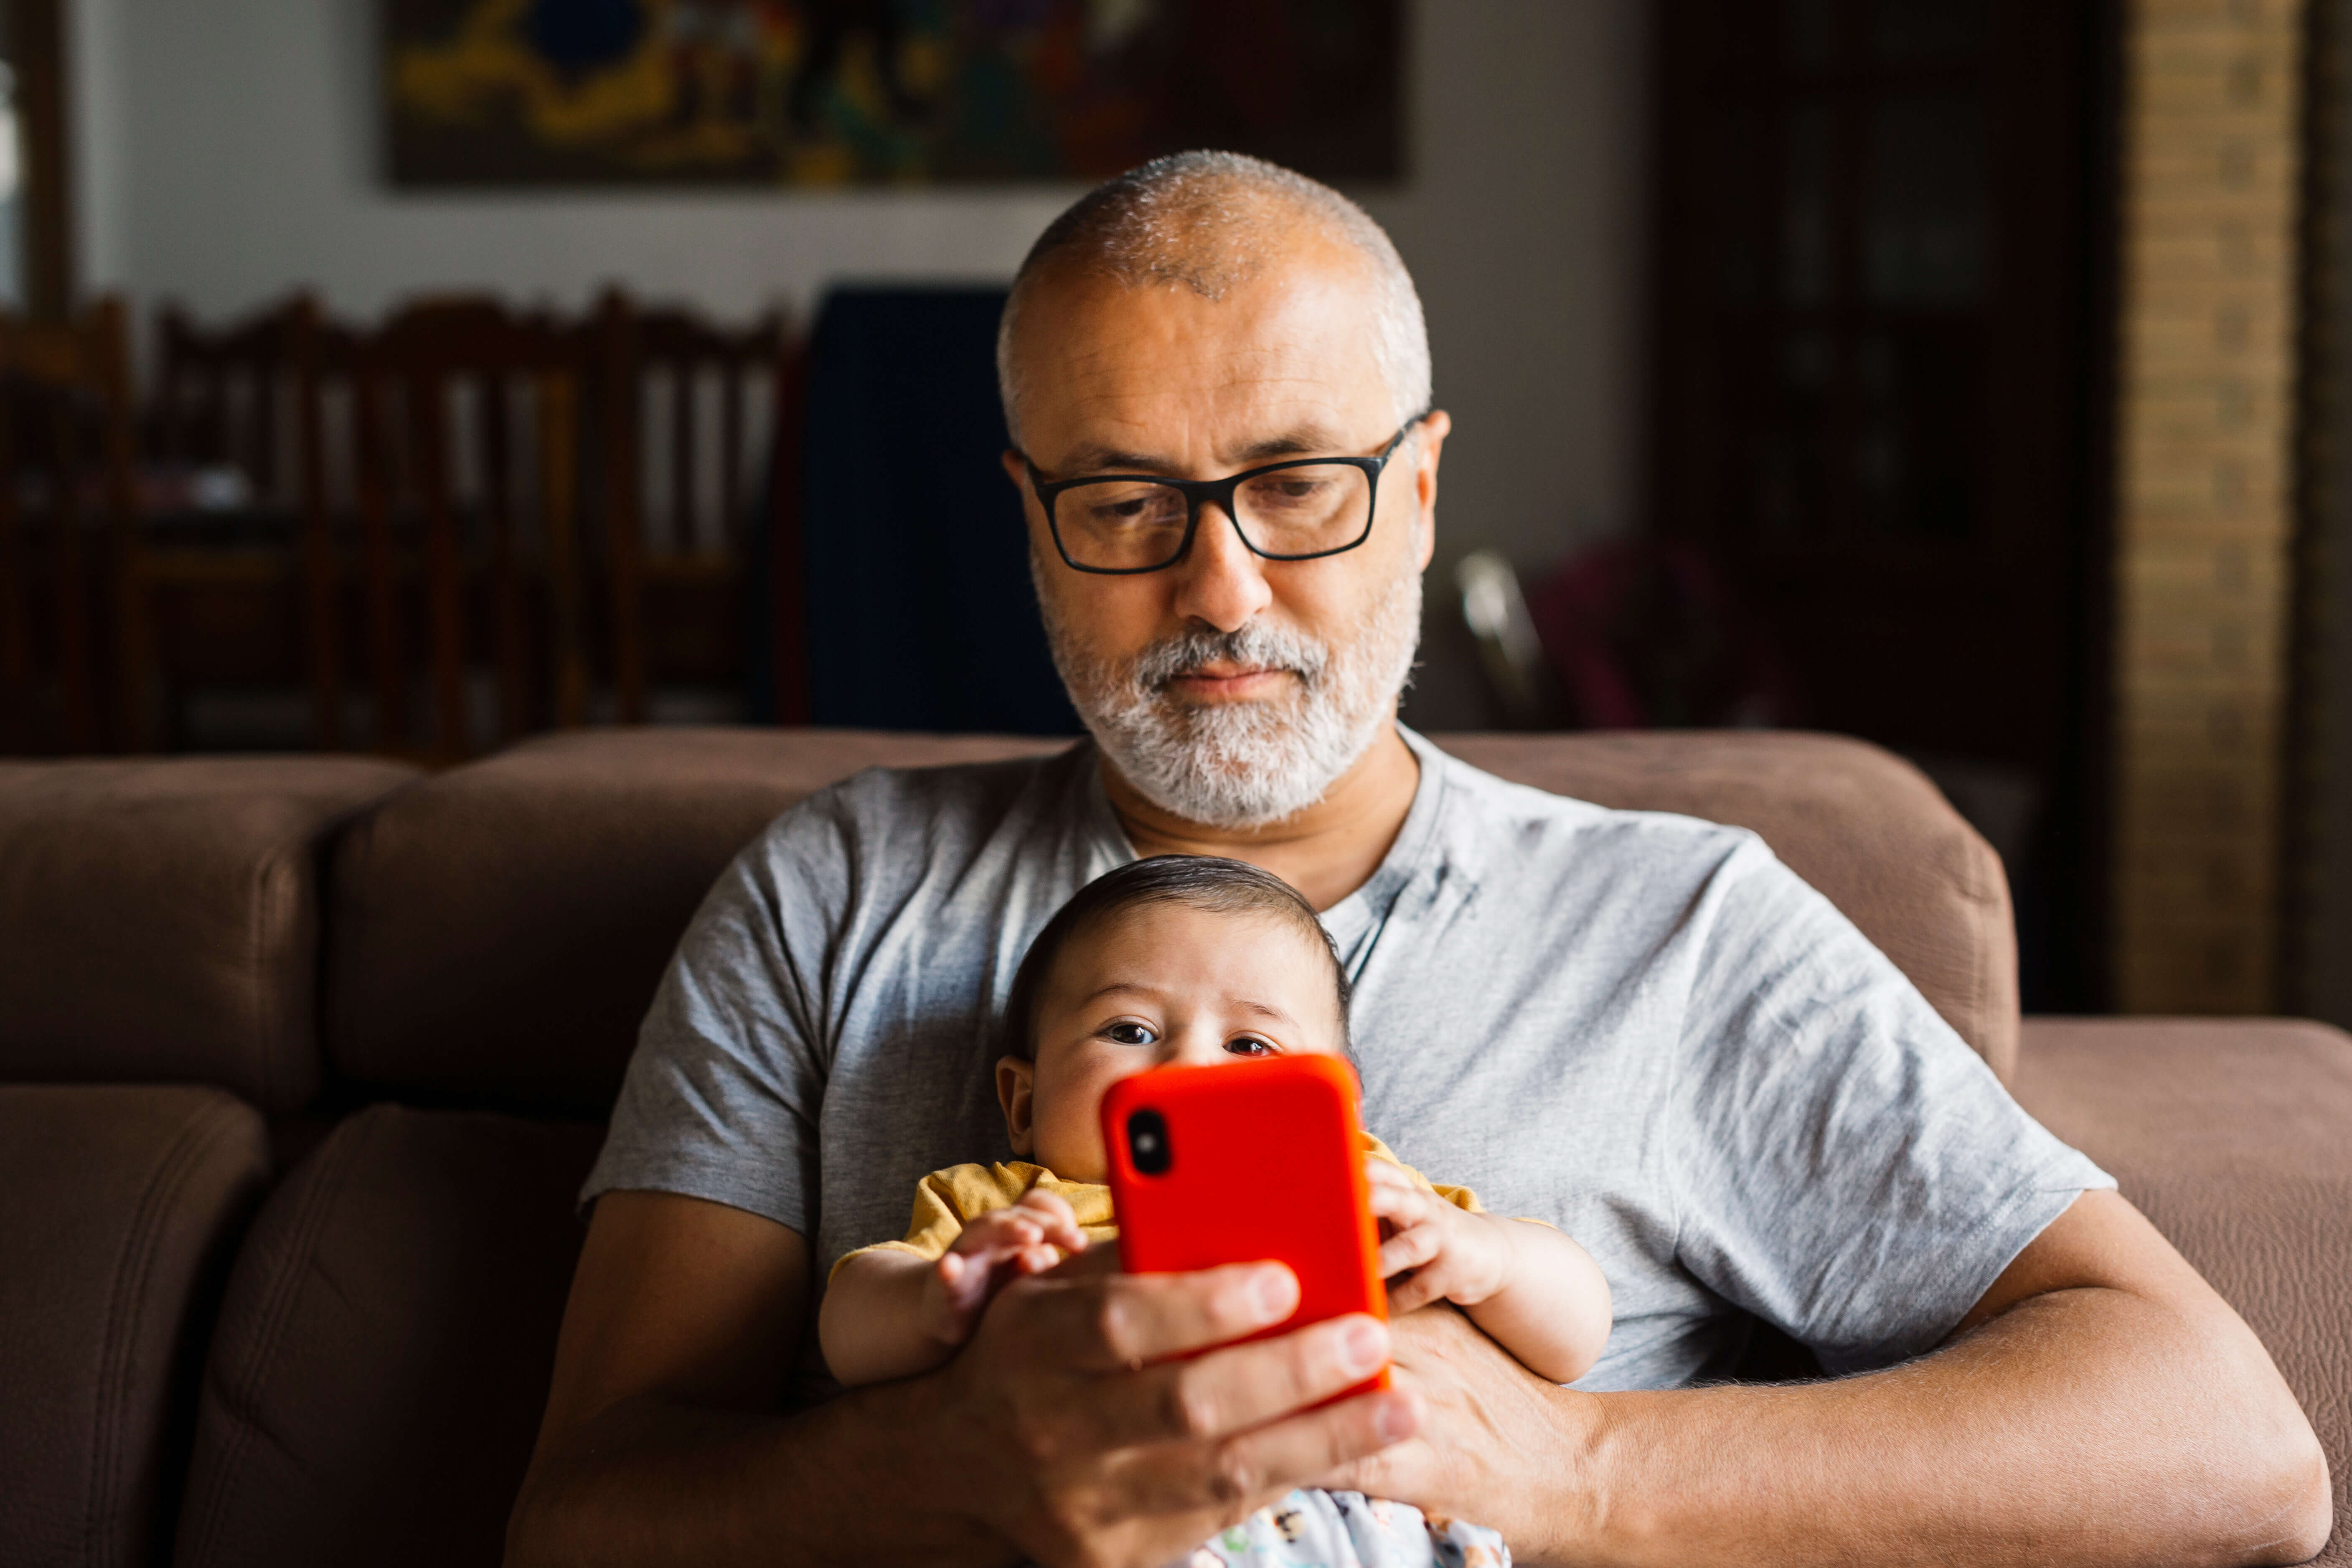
x=1153, y=378
x=1149, y=451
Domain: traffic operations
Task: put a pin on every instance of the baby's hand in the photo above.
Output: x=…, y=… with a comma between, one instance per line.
x=1454, y=1256
x=994, y=1250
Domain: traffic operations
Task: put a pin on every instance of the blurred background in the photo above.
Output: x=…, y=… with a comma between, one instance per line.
x=1966, y=375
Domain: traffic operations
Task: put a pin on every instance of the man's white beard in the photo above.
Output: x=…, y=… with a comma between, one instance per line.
x=1249, y=763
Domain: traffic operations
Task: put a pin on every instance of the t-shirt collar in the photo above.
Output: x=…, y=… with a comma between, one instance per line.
x=1352, y=917
x=1347, y=920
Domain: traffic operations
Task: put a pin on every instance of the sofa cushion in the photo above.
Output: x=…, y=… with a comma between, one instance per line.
x=2235, y=1137
x=162, y=918
x=498, y=932
x=1860, y=824
x=383, y=1351
x=119, y=1209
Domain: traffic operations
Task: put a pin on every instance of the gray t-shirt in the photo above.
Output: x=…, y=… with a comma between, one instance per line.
x=1641, y=1027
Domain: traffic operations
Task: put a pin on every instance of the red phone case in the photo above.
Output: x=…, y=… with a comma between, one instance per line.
x=1265, y=1160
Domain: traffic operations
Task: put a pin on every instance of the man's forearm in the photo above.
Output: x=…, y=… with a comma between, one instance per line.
x=653, y=1482
x=2085, y=1425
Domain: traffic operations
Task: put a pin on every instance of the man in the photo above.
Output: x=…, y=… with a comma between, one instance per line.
x=1641, y=1027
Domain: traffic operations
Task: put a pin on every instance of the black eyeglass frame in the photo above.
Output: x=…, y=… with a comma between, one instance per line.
x=1196, y=492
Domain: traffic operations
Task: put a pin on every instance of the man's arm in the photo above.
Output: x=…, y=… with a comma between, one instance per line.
x=2101, y=1405
x=1048, y=1436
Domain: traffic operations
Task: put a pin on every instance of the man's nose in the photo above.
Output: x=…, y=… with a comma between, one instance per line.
x=1218, y=581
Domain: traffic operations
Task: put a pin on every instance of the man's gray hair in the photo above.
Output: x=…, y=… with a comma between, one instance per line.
x=1208, y=221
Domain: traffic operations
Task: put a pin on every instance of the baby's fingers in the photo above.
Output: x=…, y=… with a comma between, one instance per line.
x=1048, y=1206
x=1000, y=1233
x=1412, y=1293
x=1400, y=1205
x=1056, y=1221
x=1410, y=1249
x=1037, y=1259
x=959, y=1287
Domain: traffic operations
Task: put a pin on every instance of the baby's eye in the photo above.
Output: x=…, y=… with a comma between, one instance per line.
x=1127, y=1033
x=1249, y=1046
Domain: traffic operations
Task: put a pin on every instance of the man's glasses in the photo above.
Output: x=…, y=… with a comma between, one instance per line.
x=1297, y=511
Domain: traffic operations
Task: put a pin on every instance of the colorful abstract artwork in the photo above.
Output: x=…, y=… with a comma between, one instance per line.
x=835, y=93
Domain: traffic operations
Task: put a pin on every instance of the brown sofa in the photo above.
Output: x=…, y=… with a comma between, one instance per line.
x=301, y=1062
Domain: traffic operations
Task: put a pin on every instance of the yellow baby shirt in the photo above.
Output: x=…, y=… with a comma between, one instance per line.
x=946, y=1201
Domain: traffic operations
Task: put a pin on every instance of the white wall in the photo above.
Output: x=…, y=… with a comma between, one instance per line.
x=228, y=150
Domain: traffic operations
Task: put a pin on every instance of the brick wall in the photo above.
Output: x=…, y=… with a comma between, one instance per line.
x=2204, y=497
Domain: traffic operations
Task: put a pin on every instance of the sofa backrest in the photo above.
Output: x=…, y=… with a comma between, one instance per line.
x=496, y=932
x=158, y=920
x=496, y=935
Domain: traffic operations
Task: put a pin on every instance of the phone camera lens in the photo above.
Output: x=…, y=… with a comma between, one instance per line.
x=1147, y=1142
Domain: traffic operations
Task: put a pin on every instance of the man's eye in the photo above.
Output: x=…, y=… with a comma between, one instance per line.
x=1285, y=494
x=1133, y=507
x=1126, y=1034
x=1249, y=1046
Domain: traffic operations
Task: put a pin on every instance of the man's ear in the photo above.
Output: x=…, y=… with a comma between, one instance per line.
x=1016, y=469
x=1435, y=426
x=1015, y=1080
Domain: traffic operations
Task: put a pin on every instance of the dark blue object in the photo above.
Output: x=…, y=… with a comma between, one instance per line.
x=579, y=35
x=920, y=614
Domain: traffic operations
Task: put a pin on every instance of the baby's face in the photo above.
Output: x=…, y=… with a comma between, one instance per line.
x=1158, y=985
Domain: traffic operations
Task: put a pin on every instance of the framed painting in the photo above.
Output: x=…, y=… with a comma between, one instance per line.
x=845, y=92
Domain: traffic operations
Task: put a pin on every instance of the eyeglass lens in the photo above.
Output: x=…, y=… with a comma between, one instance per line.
x=1125, y=525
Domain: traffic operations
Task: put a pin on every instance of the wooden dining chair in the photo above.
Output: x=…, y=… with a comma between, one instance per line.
x=219, y=392
x=244, y=403
x=690, y=416
x=468, y=474
x=66, y=462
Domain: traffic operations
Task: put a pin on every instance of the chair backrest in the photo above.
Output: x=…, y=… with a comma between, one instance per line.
x=688, y=415
x=220, y=392
x=66, y=454
x=466, y=428
x=247, y=398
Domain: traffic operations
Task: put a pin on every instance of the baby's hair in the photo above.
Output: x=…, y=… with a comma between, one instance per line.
x=1197, y=881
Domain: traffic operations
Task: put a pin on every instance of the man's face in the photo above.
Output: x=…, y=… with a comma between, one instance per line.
x=1229, y=689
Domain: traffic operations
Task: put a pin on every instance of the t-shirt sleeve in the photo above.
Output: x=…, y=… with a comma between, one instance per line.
x=1849, y=1169
x=723, y=1095
x=945, y=1202
x=1461, y=1199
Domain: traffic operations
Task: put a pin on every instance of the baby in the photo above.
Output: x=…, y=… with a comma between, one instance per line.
x=1191, y=959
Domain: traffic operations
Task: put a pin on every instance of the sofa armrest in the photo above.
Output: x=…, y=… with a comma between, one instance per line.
x=159, y=917
x=120, y=1207
x=2234, y=1136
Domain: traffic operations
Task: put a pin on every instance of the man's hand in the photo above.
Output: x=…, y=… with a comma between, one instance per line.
x=2101, y=1405
x=1087, y=1436
x=1071, y=1427
x=1496, y=1444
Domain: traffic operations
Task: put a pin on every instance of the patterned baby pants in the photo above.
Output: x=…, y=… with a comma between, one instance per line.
x=1315, y=1529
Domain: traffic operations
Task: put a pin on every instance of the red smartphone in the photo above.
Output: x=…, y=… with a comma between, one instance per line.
x=1240, y=1163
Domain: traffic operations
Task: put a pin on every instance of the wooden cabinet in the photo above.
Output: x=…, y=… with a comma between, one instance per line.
x=1880, y=308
